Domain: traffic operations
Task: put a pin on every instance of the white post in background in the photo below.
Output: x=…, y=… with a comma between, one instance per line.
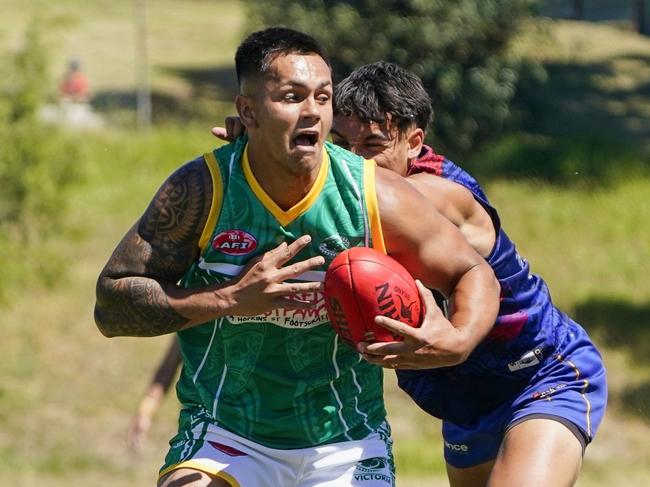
x=143, y=98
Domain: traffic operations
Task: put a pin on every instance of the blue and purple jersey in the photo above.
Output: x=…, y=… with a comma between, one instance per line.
x=527, y=330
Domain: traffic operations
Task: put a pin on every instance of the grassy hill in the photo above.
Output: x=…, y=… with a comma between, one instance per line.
x=67, y=393
x=190, y=50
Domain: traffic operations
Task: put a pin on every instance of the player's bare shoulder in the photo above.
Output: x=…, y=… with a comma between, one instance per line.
x=458, y=205
x=164, y=241
x=452, y=200
x=391, y=190
x=179, y=210
x=403, y=212
x=399, y=200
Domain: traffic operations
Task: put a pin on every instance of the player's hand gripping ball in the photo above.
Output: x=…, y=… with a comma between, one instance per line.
x=362, y=283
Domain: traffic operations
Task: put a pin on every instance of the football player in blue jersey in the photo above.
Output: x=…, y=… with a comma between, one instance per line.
x=523, y=405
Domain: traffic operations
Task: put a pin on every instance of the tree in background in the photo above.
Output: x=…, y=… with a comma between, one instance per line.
x=37, y=164
x=457, y=47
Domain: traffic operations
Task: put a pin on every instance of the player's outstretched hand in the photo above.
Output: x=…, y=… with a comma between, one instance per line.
x=434, y=344
x=261, y=287
x=233, y=129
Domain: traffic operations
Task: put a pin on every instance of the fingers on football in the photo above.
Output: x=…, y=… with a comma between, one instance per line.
x=386, y=361
x=371, y=349
x=397, y=327
x=410, y=362
x=426, y=296
x=369, y=336
x=389, y=348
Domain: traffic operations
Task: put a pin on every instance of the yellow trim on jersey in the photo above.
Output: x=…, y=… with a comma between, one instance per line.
x=217, y=199
x=585, y=386
x=286, y=217
x=369, y=175
x=197, y=465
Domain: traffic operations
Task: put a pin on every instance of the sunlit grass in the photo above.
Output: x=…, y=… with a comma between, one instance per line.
x=585, y=242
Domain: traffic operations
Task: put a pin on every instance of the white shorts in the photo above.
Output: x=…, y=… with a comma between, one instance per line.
x=244, y=463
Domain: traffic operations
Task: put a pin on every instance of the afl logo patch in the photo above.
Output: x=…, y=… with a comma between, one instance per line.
x=234, y=242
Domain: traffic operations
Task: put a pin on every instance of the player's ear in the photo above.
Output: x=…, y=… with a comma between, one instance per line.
x=415, y=140
x=245, y=110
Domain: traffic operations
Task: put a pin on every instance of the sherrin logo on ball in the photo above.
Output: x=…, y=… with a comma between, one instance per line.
x=362, y=283
x=234, y=242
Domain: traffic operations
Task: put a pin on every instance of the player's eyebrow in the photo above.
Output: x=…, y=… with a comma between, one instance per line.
x=300, y=84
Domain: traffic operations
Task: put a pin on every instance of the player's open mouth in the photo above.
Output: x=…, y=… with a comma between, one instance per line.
x=306, y=140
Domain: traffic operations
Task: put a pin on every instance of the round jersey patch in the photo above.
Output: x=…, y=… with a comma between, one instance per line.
x=234, y=242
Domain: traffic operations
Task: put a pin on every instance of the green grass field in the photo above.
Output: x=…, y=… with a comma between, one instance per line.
x=67, y=393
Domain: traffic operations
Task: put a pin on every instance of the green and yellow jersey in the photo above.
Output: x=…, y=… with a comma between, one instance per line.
x=283, y=379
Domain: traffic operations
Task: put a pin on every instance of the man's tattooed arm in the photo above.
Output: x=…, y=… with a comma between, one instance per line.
x=137, y=292
x=137, y=287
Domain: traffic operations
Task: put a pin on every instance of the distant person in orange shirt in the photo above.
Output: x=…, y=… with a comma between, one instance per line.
x=75, y=87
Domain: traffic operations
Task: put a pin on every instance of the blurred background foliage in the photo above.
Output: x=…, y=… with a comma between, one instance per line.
x=459, y=49
x=38, y=164
x=489, y=93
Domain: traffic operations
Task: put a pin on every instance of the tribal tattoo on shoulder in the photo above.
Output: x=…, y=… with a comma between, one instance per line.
x=155, y=253
x=175, y=218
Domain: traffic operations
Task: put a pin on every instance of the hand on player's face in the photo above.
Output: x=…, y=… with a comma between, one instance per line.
x=422, y=348
x=261, y=287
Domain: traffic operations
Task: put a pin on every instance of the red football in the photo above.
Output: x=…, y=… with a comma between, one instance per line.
x=362, y=283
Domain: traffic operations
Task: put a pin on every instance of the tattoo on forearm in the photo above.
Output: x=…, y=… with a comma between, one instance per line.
x=138, y=307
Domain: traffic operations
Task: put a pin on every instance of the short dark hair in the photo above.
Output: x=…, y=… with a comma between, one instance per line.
x=375, y=90
x=256, y=53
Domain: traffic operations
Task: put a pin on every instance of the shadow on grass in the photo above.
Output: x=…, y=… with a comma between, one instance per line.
x=218, y=82
x=594, y=10
x=636, y=400
x=584, y=126
x=621, y=325
x=164, y=107
x=581, y=161
x=588, y=98
x=208, y=88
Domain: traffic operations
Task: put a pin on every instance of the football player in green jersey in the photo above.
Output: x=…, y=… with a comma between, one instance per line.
x=229, y=255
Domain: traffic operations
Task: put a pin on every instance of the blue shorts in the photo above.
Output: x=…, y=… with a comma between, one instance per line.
x=570, y=387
